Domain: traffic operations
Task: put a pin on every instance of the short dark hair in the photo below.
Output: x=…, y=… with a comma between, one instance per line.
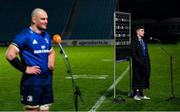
x=139, y=27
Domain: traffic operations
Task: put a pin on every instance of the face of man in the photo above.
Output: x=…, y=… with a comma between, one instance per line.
x=140, y=32
x=40, y=20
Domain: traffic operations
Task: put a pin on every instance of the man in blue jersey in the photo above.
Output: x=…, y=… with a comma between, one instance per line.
x=36, y=62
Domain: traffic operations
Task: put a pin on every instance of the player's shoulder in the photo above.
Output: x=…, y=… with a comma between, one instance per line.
x=24, y=32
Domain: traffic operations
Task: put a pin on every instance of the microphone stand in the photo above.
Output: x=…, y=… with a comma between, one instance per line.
x=173, y=97
x=76, y=89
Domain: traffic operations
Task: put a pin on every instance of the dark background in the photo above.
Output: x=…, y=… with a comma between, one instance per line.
x=155, y=9
x=161, y=18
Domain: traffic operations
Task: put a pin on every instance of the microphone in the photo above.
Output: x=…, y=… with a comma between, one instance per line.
x=155, y=39
x=57, y=40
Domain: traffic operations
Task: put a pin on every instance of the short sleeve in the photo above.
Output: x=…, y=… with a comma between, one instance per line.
x=50, y=45
x=19, y=41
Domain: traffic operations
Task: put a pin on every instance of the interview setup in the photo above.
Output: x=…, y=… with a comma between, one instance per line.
x=122, y=53
x=89, y=55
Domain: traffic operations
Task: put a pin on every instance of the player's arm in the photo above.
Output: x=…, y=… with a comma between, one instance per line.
x=11, y=52
x=51, y=59
x=11, y=55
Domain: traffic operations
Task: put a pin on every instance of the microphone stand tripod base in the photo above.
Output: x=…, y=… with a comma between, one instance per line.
x=174, y=99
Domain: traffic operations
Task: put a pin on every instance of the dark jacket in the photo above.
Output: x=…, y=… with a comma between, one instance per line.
x=140, y=65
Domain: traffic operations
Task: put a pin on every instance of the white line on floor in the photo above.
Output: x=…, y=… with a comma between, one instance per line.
x=103, y=97
x=85, y=76
x=107, y=60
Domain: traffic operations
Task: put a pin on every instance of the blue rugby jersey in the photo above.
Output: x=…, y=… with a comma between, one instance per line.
x=34, y=48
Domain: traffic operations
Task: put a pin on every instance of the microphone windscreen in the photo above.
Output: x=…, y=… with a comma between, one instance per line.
x=57, y=38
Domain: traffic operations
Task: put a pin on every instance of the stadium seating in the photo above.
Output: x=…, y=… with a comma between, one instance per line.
x=94, y=19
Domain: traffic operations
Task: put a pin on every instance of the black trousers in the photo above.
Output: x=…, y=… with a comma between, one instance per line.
x=138, y=92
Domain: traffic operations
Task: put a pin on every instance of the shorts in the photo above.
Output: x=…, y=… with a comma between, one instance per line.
x=35, y=90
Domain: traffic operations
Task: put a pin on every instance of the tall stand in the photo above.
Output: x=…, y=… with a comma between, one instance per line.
x=76, y=89
x=130, y=94
x=172, y=83
x=117, y=99
x=172, y=97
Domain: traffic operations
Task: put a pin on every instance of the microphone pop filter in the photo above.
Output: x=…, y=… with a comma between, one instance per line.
x=56, y=38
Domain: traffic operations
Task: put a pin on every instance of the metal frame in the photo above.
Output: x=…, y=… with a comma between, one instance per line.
x=115, y=61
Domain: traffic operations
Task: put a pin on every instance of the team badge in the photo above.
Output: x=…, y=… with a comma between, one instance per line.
x=29, y=98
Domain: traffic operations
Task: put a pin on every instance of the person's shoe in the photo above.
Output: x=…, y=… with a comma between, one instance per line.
x=136, y=97
x=145, y=98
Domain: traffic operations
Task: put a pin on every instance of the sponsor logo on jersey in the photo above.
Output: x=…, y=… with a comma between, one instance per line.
x=41, y=51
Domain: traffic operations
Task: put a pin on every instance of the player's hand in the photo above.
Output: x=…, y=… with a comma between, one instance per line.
x=33, y=70
x=51, y=67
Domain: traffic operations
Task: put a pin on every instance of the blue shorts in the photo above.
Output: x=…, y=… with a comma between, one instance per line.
x=36, y=89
